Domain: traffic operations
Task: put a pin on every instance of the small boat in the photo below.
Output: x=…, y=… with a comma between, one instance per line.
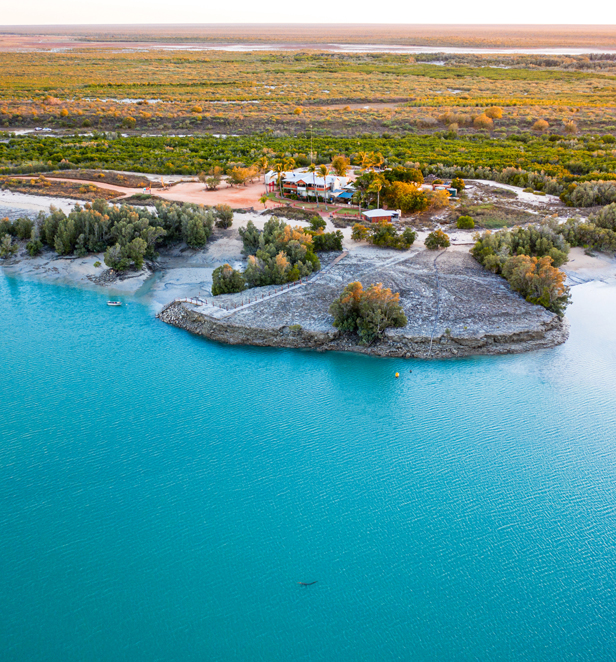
x=114, y=303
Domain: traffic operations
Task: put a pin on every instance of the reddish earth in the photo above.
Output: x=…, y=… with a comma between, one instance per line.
x=238, y=197
x=234, y=196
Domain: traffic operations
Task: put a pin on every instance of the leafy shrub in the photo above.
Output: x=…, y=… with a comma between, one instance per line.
x=527, y=258
x=540, y=125
x=588, y=235
x=226, y=279
x=368, y=313
x=280, y=254
x=317, y=223
x=359, y=233
x=35, y=245
x=6, y=227
x=465, y=223
x=458, y=184
x=97, y=264
x=494, y=113
x=327, y=241
x=589, y=194
x=437, y=239
x=224, y=216
x=385, y=235
x=408, y=236
x=7, y=248
x=483, y=122
x=22, y=228
x=538, y=282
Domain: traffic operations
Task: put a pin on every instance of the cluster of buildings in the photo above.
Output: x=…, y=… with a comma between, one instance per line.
x=304, y=184
x=332, y=188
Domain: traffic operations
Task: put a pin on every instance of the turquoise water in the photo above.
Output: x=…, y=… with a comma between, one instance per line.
x=161, y=496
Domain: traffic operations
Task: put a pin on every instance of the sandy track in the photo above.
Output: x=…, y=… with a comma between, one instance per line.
x=237, y=197
x=124, y=190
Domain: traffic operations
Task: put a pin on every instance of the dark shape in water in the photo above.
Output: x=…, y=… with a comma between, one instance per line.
x=307, y=584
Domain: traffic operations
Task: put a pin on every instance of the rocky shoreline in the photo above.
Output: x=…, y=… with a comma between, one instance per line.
x=455, y=308
x=393, y=345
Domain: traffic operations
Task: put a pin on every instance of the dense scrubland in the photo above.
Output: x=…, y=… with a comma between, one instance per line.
x=545, y=122
x=285, y=92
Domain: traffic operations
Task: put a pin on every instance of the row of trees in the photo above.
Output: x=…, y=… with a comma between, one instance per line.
x=598, y=232
x=126, y=234
x=528, y=258
x=548, y=163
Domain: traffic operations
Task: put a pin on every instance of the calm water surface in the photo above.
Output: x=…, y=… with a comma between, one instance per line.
x=161, y=496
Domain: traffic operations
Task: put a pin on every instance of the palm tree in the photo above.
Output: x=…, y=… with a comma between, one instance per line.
x=375, y=187
x=323, y=171
x=263, y=199
x=279, y=168
x=312, y=168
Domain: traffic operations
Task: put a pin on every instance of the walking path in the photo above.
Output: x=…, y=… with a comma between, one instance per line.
x=219, y=312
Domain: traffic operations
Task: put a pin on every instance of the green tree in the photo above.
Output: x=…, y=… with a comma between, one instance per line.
x=226, y=280
x=224, y=216
x=317, y=223
x=368, y=313
x=437, y=239
x=7, y=248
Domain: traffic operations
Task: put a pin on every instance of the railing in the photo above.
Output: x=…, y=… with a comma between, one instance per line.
x=251, y=301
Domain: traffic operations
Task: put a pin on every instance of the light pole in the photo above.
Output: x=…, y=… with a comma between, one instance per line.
x=311, y=144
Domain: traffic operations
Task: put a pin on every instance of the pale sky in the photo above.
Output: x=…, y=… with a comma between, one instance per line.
x=59, y=12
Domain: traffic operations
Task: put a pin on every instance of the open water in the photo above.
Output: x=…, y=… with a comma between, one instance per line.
x=161, y=495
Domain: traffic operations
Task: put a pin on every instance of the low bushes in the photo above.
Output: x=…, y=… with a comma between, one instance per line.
x=385, y=235
x=465, y=223
x=369, y=313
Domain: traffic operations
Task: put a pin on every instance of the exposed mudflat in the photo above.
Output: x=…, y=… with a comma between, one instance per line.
x=454, y=308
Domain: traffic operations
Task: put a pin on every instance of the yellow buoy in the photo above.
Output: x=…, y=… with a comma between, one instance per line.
x=397, y=375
